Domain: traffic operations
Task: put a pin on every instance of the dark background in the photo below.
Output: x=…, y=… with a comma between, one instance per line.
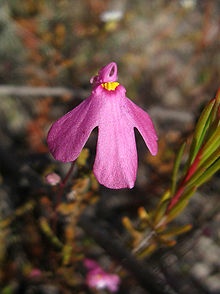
x=168, y=56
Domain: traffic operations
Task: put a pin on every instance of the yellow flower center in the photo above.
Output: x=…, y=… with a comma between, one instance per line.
x=110, y=86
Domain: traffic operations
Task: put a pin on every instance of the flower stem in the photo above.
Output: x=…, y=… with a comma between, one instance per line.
x=60, y=194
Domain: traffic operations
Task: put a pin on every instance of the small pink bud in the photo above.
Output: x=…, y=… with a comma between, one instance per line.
x=99, y=279
x=35, y=273
x=53, y=179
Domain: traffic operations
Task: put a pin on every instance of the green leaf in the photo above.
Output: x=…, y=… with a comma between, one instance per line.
x=211, y=145
x=216, y=105
x=176, y=231
x=176, y=168
x=180, y=205
x=176, y=210
x=204, y=166
x=66, y=253
x=46, y=229
x=160, y=212
x=205, y=175
x=200, y=131
x=161, y=208
x=146, y=251
x=165, y=196
x=8, y=289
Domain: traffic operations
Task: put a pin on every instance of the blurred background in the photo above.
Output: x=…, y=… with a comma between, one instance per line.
x=168, y=56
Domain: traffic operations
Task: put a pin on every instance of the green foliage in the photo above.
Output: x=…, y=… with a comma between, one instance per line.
x=203, y=162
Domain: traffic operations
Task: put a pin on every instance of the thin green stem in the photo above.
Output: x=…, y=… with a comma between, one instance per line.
x=60, y=193
x=63, y=184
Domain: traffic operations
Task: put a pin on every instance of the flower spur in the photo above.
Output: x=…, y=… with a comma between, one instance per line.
x=116, y=116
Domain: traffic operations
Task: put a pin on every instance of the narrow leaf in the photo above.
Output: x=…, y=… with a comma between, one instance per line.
x=204, y=167
x=146, y=251
x=211, y=145
x=180, y=205
x=215, y=110
x=167, y=242
x=206, y=175
x=159, y=212
x=46, y=229
x=200, y=131
x=177, y=231
x=165, y=196
x=176, y=168
x=144, y=216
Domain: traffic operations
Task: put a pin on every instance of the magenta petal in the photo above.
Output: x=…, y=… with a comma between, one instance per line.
x=116, y=159
x=116, y=117
x=68, y=135
x=144, y=124
x=108, y=73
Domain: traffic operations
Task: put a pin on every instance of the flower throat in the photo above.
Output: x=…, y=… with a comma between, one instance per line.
x=110, y=86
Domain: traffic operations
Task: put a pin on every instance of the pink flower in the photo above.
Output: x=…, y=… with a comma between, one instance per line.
x=35, y=273
x=99, y=279
x=53, y=179
x=116, y=116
